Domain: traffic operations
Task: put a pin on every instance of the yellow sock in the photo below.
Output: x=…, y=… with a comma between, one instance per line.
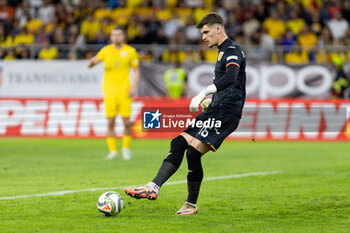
x=126, y=141
x=112, y=144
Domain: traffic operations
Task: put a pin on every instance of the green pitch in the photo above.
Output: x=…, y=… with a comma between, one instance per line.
x=310, y=192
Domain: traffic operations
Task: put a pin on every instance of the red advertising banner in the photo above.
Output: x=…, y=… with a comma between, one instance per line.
x=163, y=118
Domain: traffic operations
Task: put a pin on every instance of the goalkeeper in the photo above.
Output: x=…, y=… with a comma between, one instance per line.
x=228, y=99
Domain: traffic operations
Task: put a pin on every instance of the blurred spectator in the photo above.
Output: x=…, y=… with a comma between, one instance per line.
x=193, y=3
x=338, y=26
x=143, y=36
x=180, y=37
x=163, y=13
x=7, y=13
x=106, y=26
x=261, y=12
x=102, y=11
x=250, y=26
x=297, y=56
x=288, y=41
x=23, y=52
x=6, y=40
x=192, y=33
x=46, y=11
x=3, y=37
x=173, y=53
x=295, y=23
x=219, y=8
x=171, y=22
x=48, y=52
x=303, y=12
x=23, y=38
x=61, y=13
x=175, y=81
x=232, y=26
x=89, y=28
x=143, y=11
x=341, y=82
x=112, y=3
x=257, y=52
x=153, y=24
x=58, y=36
x=316, y=26
x=307, y=39
x=239, y=38
x=121, y=14
x=70, y=5
x=325, y=39
x=131, y=30
x=192, y=56
x=183, y=11
x=275, y=26
x=346, y=10
x=33, y=24
x=101, y=38
x=266, y=40
x=172, y=26
x=22, y=12
x=347, y=38
x=200, y=12
x=281, y=10
x=75, y=38
x=82, y=11
x=160, y=37
x=41, y=37
x=49, y=29
x=10, y=55
x=35, y=3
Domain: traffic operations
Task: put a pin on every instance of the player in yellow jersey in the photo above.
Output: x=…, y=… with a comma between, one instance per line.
x=119, y=58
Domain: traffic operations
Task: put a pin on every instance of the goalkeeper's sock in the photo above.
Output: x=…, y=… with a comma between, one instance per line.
x=126, y=141
x=173, y=161
x=153, y=186
x=195, y=174
x=112, y=144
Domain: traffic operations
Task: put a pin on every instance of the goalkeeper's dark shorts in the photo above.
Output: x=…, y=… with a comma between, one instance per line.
x=213, y=134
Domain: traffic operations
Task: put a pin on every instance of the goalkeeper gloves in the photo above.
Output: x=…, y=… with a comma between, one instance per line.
x=197, y=100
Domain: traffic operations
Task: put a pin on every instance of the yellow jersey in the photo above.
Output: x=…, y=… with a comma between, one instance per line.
x=48, y=53
x=117, y=68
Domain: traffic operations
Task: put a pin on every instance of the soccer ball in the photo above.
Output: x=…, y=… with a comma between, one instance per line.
x=110, y=203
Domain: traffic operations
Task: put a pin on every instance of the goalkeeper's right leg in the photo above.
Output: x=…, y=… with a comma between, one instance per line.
x=169, y=166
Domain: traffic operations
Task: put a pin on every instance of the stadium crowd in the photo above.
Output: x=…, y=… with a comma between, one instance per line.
x=294, y=31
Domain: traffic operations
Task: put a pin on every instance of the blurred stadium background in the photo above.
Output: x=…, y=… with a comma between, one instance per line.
x=298, y=54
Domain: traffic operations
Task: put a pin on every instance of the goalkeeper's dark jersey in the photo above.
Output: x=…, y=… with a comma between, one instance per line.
x=230, y=78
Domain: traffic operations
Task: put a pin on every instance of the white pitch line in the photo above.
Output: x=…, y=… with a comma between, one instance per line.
x=58, y=193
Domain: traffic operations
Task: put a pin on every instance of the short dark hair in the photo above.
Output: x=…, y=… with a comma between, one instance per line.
x=120, y=28
x=210, y=19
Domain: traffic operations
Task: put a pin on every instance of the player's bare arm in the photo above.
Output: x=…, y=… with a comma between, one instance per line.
x=136, y=72
x=93, y=61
